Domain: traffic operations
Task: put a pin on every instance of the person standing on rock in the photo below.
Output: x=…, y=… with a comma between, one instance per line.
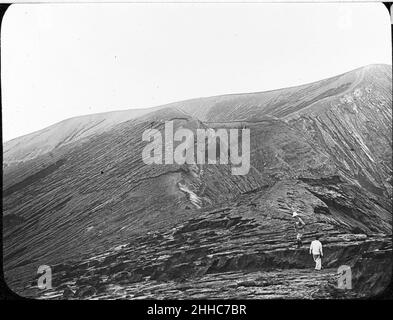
x=299, y=225
x=316, y=251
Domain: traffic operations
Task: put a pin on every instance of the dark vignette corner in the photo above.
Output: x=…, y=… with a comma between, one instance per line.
x=5, y=292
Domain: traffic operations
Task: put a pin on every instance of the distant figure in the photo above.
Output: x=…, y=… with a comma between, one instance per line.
x=316, y=251
x=299, y=225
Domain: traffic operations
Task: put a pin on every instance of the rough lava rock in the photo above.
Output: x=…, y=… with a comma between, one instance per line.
x=78, y=197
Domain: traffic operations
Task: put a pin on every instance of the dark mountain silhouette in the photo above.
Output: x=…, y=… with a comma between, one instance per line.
x=77, y=196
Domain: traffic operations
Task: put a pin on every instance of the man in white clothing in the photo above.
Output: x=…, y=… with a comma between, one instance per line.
x=316, y=251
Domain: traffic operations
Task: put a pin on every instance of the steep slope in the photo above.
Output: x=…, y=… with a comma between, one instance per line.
x=99, y=193
x=355, y=130
x=278, y=103
x=65, y=132
x=78, y=197
x=234, y=107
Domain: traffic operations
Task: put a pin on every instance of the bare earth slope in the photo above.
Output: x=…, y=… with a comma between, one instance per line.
x=78, y=197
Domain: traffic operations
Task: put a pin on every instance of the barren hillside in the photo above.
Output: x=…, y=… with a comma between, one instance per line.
x=77, y=196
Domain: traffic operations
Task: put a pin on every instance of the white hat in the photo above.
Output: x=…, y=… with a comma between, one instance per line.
x=295, y=214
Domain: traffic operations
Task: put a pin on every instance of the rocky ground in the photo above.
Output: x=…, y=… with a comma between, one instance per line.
x=229, y=252
x=277, y=284
x=78, y=198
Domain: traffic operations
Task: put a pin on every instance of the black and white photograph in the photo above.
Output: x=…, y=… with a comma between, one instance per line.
x=197, y=151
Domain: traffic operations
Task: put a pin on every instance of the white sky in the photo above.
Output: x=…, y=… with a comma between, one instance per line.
x=64, y=60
